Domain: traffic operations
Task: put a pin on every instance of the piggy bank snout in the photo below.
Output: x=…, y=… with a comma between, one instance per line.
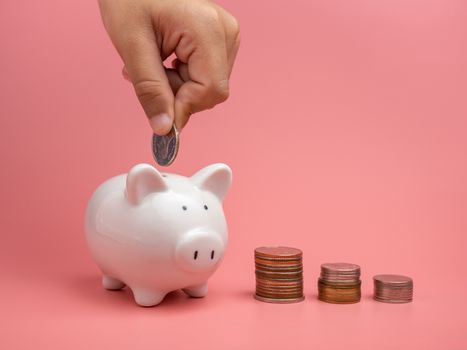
x=199, y=251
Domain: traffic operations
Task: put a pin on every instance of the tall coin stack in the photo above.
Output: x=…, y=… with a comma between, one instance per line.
x=339, y=283
x=279, y=274
x=393, y=288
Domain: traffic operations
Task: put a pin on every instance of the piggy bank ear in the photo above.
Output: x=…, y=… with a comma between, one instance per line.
x=142, y=180
x=215, y=178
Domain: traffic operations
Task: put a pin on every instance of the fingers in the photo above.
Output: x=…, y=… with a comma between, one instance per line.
x=204, y=37
x=125, y=74
x=231, y=34
x=182, y=69
x=175, y=80
x=203, y=57
x=144, y=68
x=206, y=71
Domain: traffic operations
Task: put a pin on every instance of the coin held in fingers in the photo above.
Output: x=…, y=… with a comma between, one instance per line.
x=165, y=147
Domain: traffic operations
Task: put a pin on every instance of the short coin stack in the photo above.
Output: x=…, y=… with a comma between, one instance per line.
x=339, y=283
x=393, y=288
x=279, y=274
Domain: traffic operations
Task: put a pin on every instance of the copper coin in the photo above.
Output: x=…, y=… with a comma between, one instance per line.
x=293, y=278
x=331, y=301
x=279, y=288
x=279, y=301
x=279, y=283
x=340, y=275
x=280, y=294
x=339, y=299
x=278, y=268
x=268, y=261
x=278, y=252
x=339, y=284
x=278, y=257
x=271, y=277
x=339, y=292
x=272, y=294
x=282, y=286
x=284, y=274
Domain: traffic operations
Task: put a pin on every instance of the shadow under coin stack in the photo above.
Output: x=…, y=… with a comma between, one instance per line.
x=393, y=288
x=279, y=274
x=339, y=283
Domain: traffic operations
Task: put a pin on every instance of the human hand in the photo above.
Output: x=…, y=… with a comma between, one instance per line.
x=203, y=36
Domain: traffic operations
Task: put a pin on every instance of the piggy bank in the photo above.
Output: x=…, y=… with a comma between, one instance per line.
x=158, y=232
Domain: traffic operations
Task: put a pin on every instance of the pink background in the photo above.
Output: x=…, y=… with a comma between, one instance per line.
x=346, y=132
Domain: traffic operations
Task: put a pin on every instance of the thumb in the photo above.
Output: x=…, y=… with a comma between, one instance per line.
x=146, y=72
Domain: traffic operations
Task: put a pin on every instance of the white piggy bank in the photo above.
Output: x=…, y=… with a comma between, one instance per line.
x=158, y=232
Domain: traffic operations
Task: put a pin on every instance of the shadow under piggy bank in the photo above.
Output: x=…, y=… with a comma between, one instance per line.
x=88, y=287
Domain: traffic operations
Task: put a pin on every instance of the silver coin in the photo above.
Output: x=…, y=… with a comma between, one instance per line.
x=165, y=148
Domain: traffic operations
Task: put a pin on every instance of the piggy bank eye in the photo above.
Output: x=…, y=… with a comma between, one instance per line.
x=205, y=207
x=184, y=207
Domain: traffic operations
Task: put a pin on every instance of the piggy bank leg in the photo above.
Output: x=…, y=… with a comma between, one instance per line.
x=198, y=291
x=147, y=298
x=112, y=283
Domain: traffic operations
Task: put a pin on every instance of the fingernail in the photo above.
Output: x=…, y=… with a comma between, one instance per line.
x=161, y=123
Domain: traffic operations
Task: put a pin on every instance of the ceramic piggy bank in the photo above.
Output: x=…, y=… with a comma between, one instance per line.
x=157, y=232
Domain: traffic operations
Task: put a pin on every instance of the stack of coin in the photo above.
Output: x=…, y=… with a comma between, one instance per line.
x=279, y=274
x=339, y=283
x=393, y=288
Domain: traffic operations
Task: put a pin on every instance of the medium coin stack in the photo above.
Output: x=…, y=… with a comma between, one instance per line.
x=279, y=274
x=339, y=283
x=393, y=288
